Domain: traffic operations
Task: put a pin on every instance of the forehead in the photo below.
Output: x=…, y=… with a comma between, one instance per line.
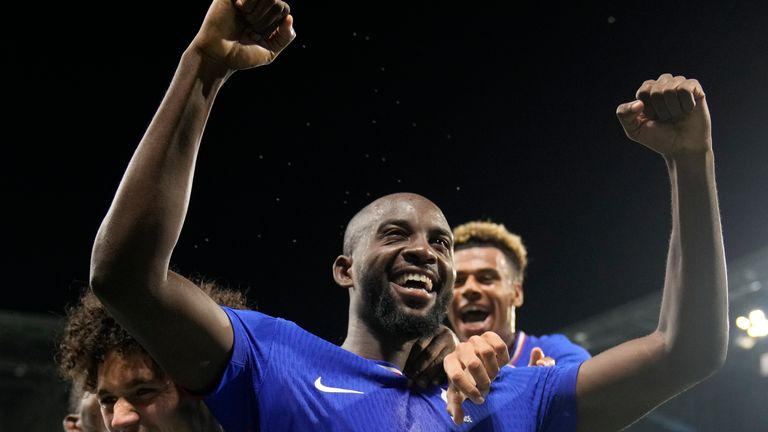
x=407, y=208
x=478, y=258
x=120, y=371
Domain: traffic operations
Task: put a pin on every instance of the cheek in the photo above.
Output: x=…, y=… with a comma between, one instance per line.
x=503, y=297
x=455, y=297
x=448, y=271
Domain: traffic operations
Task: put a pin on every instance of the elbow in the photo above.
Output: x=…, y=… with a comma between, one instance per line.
x=110, y=271
x=708, y=365
x=695, y=362
x=101, y=280
x=714, y=353
x=719, y=354
x=102, y=268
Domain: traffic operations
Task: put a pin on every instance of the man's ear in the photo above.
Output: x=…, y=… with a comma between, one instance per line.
x=518, y=294
x=70, y=423
x=342, y=271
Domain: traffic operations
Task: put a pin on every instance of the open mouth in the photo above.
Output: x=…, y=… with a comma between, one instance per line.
x=415, y=290
x=415, y=281
x=474, y=315
x=475, y=319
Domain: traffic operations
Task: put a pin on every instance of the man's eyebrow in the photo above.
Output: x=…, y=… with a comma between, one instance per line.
x=481, y=271
x=136, y=382
x=442, y=231
x=395, y=221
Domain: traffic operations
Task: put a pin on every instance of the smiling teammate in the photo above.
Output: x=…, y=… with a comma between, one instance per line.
x=490, y=266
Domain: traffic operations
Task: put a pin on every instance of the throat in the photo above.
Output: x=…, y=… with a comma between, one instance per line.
x=367, y=343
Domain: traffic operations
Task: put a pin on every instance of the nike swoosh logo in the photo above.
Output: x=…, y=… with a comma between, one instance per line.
x=323, y=388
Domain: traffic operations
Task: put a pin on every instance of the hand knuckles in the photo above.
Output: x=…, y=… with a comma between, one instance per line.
x=475, y=364
x=486, y=352
x=475, y=339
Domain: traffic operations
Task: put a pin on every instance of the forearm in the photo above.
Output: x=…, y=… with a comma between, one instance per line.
x=694, y=311
x=143, y=224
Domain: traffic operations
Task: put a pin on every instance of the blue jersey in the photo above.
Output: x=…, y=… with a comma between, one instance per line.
x=555, y=345
x=283, y=378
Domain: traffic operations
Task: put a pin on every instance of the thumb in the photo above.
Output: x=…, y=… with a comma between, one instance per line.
x=631, y=117
x=285, y=32
x=536, y=355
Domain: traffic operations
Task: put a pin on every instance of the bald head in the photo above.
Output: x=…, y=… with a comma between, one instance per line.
x=386, y=206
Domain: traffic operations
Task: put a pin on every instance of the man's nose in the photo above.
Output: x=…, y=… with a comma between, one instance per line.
x=124, y=415
x=470, y=290
x=419, y=251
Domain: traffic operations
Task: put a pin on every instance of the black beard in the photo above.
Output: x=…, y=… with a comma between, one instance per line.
x=382, y=312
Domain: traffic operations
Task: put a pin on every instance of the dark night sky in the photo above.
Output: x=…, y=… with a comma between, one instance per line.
x=500, y=110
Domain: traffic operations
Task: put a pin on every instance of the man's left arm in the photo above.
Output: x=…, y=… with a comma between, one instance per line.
x=620, y=385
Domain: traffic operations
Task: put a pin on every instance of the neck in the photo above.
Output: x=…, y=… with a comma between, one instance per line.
x=511, y=339
x=368, y=343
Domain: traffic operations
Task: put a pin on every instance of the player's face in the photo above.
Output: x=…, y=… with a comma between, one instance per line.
x=135, y=395
x=404, y=266
x=485, y=294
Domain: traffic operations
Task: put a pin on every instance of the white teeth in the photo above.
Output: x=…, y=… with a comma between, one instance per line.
x=415, y=277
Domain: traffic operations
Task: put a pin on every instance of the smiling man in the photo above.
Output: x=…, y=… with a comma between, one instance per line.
x=259, y=372
x=490, y=266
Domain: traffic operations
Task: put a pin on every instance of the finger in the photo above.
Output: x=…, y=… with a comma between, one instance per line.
x=274, y=18
x=280, y=38
x=425, y=361
x=659, y=103
x=499, y=347
x=264, y=16
x=690, y=92
x=458, y=377
x=424, y=355
x=254, y=10
x=427, y=377
x=631, y=116
x=644, y=94
x=284, y=34
x=434, y=373
x=476, y=361
x=249, y=6
x=430, y=351
x=671, y=97
x=546, y=361
x=485, y=349
x=454, y=401
x=412, y=366
x=536, y=356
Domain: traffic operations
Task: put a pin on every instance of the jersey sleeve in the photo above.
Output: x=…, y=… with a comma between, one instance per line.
x=234, y=401
x=558, y=410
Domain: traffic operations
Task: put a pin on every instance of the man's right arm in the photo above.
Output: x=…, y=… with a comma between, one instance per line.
x=169, y=316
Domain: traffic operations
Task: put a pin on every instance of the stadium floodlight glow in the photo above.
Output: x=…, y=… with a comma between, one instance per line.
x=756, y=325
x=743, y=323
x=745, y=342
x=757, y=315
